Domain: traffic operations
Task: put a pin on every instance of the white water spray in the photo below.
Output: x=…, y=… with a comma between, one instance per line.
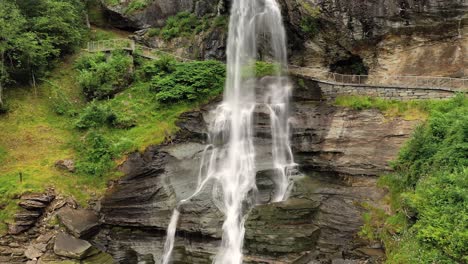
x=229, y=160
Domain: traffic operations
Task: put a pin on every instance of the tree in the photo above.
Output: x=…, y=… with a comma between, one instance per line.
x=33, y=33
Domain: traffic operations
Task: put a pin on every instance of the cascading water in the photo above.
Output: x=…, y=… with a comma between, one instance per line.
x=229, y=160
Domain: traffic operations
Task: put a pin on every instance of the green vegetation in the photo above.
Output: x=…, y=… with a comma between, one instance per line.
x=34, y=33
x=428, y=192
x=101, y=77
x=186, y=24
x=58, y=123
x=409, y=110
x=182, y=24
x=131, y=6
x=190, y=81
x=263, y=68
x=260, y=69
x=310, y=22
x=136, y=5
x=3, y=154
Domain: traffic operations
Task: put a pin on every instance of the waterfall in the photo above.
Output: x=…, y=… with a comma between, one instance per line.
x=229, y=161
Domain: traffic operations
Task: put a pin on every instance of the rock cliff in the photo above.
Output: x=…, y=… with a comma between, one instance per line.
x=394, y=37
x=340, y=153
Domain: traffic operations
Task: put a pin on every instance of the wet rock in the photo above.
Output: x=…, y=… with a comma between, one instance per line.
x=339, y=151
x=70, y=247
x=67, y=165
x=272, y=228
x=80, y=222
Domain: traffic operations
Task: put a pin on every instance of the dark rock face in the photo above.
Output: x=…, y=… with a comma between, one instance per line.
x=340, y=152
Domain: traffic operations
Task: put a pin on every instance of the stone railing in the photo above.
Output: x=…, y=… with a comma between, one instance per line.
x=410, y=82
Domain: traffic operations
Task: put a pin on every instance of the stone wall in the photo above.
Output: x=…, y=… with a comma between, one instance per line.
x=329, y=91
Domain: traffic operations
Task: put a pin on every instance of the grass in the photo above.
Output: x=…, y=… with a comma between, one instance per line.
x=33, y=137
x=408, y=110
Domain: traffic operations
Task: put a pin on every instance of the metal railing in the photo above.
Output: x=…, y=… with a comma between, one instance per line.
x=454, y=84
x=112, y=44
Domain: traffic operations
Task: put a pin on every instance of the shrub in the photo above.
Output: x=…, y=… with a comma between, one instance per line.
x=190, y=82
x=96, y=154
x=95, y=115
x=136, y=5
x=102, y=77
x=310, y=22
x=430, y=187
x=182, y=24
x=164, y=65
x=123, y=121
x=266, y=69
x=153, y=32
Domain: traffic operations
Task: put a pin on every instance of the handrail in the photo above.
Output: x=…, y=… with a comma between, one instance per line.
x=408, y=81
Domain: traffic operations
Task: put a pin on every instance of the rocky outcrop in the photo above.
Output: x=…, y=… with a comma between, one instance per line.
x=49, y=240
x=32, y=208
x=155, y=13
x=340, y=151
x=397, y=37
x=389, y=37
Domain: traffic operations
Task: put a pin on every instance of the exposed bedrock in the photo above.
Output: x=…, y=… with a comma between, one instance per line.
x=339, y=151
x=391, y=37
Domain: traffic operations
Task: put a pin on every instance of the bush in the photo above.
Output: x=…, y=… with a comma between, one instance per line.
x=266, y=69
x=182, y=24
x=164, y=65
x=102, y=77
x=190, y=82
x=153, y=32
x=136, y=5
x=310, y=22
x=430, y=187
x=95, y=115
x=124, y=121
x=97, y=152
x=96, y=155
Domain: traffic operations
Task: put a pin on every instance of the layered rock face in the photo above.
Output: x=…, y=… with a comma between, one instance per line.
x=409, y=37
x=156, y=12
x=339, y=152
x=393, y=37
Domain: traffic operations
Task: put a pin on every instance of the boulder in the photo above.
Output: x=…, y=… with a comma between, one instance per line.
x=67, y=165
x=80, y=222
x=34, y=251
x=71, y=247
